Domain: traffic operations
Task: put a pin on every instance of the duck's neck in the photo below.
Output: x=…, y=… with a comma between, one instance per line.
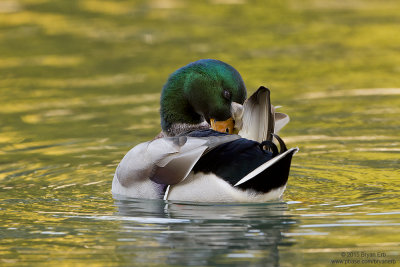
x=180, y=128
x=177, y=115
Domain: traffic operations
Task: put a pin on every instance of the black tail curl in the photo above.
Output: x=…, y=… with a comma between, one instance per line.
x=281, y=143
x=270, y=146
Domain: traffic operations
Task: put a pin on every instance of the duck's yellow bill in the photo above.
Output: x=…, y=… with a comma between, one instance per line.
x=223, y=126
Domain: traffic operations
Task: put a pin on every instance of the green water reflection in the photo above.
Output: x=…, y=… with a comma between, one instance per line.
x=79, y=86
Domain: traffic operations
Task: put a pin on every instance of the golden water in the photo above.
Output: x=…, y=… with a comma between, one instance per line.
x=80, y=84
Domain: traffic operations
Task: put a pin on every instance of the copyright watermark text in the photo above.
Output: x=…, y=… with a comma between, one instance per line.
x=363, y=257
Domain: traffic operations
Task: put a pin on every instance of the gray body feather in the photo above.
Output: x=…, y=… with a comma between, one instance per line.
x=166, y=160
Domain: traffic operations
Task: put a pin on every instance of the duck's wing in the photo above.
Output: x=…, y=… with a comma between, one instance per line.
x=139, y=162
x=259, y=119
x=281, y=119
x=166, y=160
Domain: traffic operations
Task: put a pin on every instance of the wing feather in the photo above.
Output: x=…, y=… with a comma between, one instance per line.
x=258, y=119
x=166, y=160
x=281, y=119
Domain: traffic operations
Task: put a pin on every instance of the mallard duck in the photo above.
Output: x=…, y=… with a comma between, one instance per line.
x=215, y=146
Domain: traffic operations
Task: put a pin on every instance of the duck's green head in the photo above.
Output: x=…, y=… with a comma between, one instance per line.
x=201, y=91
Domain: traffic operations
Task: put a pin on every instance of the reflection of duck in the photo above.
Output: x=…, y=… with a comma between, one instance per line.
x=192, y=162
x=194, y=234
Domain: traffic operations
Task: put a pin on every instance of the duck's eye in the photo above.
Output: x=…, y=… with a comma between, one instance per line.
x=227, y=94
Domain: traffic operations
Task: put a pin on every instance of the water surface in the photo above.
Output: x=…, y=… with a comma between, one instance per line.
x=80, y=84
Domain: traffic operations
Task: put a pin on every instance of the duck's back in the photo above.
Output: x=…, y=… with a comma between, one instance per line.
x=227, y=164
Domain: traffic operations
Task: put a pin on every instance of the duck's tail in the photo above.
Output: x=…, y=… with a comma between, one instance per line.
x=273, y=174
